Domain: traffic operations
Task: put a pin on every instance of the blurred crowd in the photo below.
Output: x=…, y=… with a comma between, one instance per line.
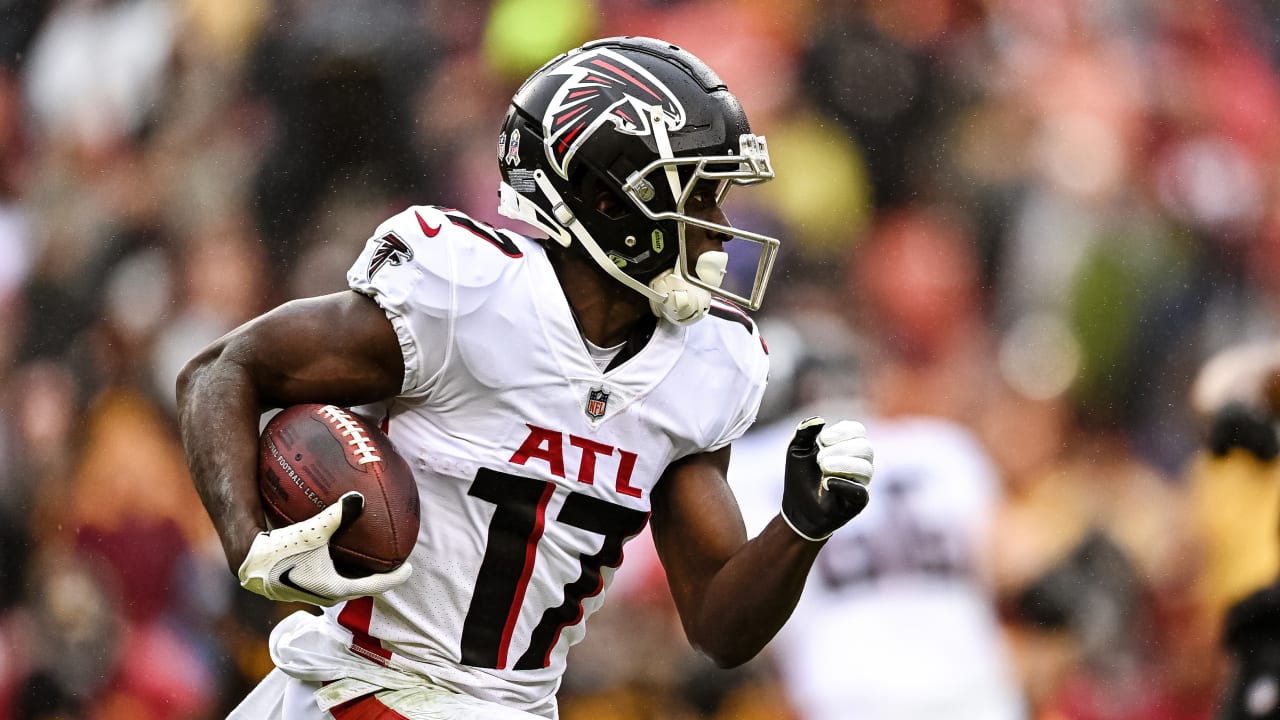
x=1035, y=219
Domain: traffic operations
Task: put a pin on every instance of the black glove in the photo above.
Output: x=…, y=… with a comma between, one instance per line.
x=826, y=476
x=1252, y=638
x=1237, y=425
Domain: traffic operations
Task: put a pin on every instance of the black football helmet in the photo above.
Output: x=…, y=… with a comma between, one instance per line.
x=646, y=123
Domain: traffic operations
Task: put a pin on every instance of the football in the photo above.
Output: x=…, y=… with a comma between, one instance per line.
x=309, y=455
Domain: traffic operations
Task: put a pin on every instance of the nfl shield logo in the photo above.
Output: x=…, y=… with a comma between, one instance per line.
x=597, y=403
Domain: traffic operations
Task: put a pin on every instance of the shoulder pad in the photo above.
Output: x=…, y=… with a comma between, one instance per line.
x=502, y=240
x=427, y=250
x=428, y=235
x=729, y=312
x=734, y=322
x=729, y=330
x=728, y=341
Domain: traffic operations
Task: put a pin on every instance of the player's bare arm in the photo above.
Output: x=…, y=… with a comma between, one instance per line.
x=338, y=349
x=733, y=595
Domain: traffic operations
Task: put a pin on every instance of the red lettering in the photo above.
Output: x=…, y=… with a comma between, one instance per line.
x=625, y=466
x=545, y=445
x=590, y=449
x=548, y=446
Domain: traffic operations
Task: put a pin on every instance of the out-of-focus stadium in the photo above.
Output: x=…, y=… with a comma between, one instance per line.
x=1037, y=220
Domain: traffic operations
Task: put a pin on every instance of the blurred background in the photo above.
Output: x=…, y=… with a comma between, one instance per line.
x=1035, y=220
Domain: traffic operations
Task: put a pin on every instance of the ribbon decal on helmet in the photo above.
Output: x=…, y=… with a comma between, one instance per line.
x=603, y=86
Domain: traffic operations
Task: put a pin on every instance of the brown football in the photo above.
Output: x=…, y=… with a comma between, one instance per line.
x=309, y=455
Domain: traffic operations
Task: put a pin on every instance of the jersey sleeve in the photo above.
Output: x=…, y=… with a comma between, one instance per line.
x=752, y=362
x=425, y=268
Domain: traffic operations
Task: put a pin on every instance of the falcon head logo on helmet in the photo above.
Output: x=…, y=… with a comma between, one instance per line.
x=603, y=86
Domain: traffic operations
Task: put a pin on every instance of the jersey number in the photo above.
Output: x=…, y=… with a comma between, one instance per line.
x=514, y=532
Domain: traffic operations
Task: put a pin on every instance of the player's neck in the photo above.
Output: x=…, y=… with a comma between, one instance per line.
x=607, y=312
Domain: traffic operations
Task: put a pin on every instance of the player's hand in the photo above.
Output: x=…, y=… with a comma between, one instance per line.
x=828, y=469
x=292, y=563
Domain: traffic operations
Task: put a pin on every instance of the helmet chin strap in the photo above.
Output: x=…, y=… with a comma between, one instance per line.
x=670, y=295
x=515, y=206
x=683, y=302
x=658, y=126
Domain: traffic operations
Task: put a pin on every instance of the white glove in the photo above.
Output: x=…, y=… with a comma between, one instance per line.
x=845, y=452
x=292, y=563
x=827, y=471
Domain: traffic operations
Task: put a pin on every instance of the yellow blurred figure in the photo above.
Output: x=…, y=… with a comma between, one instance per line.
x=1235, y=505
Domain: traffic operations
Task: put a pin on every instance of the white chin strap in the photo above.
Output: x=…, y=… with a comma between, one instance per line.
x=671, y=296
x=683, y=302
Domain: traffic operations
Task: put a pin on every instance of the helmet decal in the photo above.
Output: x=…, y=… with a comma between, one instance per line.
x=602, y=86
x=513, y=150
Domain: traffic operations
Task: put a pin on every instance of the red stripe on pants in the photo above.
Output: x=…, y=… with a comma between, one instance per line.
x=356, y=616
x=365, y=707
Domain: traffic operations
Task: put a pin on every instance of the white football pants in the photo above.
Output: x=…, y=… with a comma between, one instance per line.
x=281, y=697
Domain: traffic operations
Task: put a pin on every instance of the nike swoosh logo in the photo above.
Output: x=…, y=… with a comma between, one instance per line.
x=288, y=582
x=426, y=229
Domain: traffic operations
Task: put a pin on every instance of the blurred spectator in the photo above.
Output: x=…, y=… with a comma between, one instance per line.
x=870, y=68
x=917, y=299
x=340, y=78
x=1234, y=483
x=1093, y=561
x=97, y=69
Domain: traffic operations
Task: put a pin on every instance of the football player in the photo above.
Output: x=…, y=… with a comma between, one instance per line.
x=553, y=396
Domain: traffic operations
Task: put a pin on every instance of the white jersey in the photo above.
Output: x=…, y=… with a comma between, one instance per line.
x=896, y=622
x=534, y=466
